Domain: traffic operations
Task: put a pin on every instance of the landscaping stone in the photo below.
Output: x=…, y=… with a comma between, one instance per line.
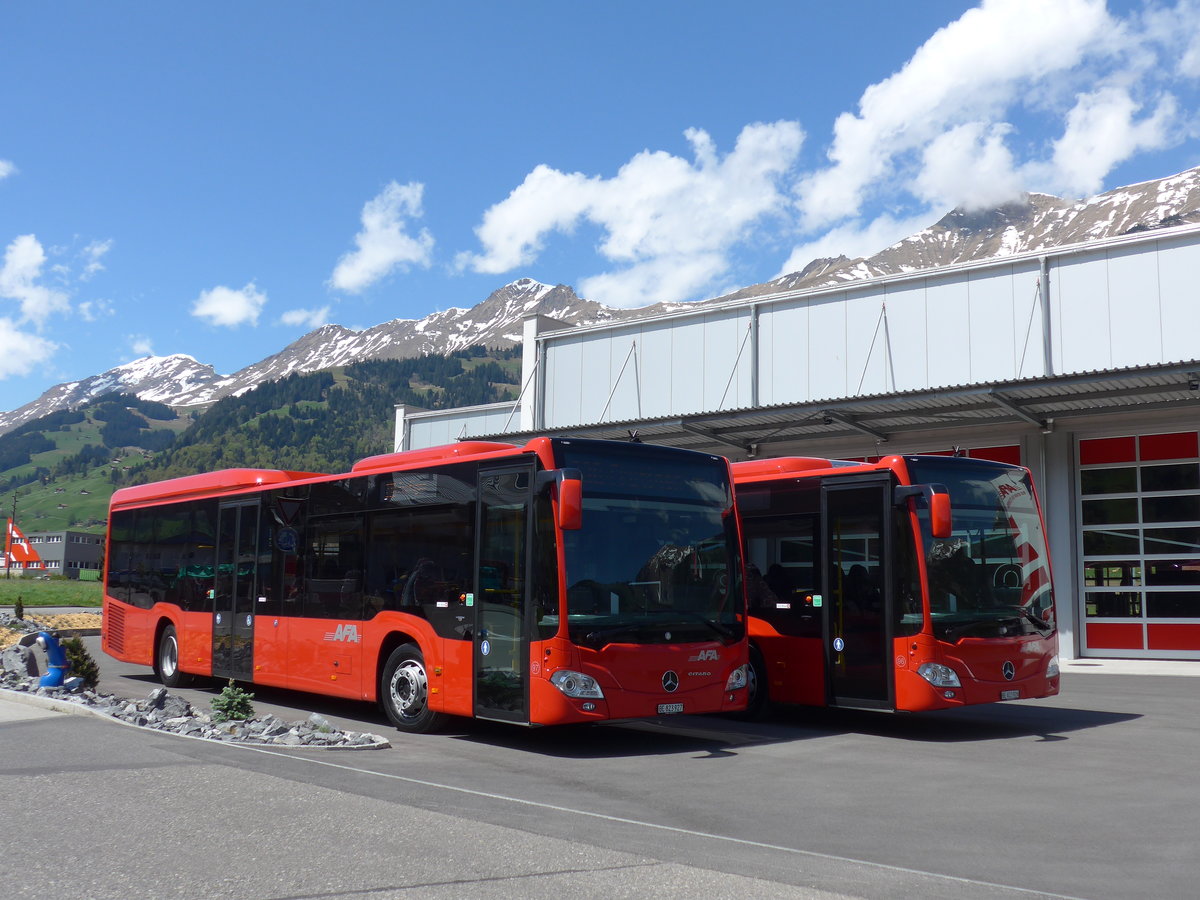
x=165, y=711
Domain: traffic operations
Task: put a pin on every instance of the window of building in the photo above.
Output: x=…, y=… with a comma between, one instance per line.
x=1139, y=513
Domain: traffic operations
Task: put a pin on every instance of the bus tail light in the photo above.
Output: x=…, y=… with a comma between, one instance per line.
x=1052, y=667
x=576, y=684
x=939, y=675
x=737, y=679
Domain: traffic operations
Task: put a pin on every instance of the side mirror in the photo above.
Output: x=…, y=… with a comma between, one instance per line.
x=570, y=501
x=940, y=524
x=937, y=497
x=568, y=491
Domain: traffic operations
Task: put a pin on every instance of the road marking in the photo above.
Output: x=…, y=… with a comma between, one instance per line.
x=657, y=827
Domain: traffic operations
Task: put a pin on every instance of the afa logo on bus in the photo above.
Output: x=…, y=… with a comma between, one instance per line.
x=344, y=633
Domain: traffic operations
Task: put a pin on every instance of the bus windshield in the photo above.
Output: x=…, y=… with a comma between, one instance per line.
x=656, y=560
x=991, y=578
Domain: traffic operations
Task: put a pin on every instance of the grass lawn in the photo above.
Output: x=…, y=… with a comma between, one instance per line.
x=55, y=592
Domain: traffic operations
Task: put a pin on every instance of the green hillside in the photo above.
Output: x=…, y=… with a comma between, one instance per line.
x=63, y=468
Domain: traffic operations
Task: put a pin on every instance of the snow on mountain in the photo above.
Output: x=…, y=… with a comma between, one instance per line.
x=1036, y=222
x=160, y=378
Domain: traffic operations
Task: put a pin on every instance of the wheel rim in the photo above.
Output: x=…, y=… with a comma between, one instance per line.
x=169, y=663
x=409, y=689
x=751, y=686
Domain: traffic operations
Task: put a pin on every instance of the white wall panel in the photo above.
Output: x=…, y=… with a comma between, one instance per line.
x=563, y=383
x=655, y=369
x=948, y=320
x=783, y=354
x=866, y=347
x=907, y=338
x=595, y=371
x=626, y=359
x=827, y=367
x=1135, y=315
x=451, y=426
x=1081, y=335
x=687, y=366
x=726, y=375
x=1178, y=270
x=993, y=340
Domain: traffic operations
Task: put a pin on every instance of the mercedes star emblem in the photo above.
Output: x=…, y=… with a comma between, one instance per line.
x=1009, y=671
x=670, y=681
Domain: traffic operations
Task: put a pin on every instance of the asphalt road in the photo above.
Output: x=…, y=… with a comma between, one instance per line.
x=1092, y=794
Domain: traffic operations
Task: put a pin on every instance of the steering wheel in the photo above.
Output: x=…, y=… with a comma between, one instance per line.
x=1007, y=576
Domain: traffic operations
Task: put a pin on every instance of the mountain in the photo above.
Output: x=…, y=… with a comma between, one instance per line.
x=1036, y=222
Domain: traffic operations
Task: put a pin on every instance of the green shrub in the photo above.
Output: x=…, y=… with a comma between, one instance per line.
x=232, y=704
x=82, y=664
x=19, y=609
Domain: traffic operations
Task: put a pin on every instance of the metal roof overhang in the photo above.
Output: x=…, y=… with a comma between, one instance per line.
x=1028, y=402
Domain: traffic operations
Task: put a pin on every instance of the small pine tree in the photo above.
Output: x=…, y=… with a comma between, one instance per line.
x=19, y=609
x=82, y=664
x=232, y=703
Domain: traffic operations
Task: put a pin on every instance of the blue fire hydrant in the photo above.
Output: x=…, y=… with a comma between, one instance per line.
x=56, y=660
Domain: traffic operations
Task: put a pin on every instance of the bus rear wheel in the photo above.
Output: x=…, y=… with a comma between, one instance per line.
x=404, y=692
x=166, y=660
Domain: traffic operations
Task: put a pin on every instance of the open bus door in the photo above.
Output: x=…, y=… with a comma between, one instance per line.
x=234, y=590
x=858, y=580
x=502, y=593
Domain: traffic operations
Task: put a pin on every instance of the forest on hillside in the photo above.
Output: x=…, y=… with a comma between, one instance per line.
x=325, y=421
x=315, y=422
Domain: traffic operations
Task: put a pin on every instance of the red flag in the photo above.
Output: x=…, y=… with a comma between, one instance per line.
x=18, y=546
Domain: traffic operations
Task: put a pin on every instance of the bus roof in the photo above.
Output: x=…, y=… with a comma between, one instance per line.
x=389, y=461
x=232, y=481
x=221, y=481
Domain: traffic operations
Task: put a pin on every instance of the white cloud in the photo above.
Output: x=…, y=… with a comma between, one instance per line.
x=230, y=308
x=140, y=345
x=7, y=168
x=19, y=276
x=970, y=71
x=969, y=167
x=1102, y=131
x=21, y=352
x=94, y=310
x=384, y=244
x=92, y=254
x=308, y=318
x=671, y=221
x=855, y=239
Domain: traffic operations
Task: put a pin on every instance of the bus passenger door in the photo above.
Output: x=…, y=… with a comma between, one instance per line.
x=858, y=642
x=234, y=591
x=501, y=651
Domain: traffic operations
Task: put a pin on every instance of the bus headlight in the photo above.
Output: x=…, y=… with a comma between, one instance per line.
x=576, y=684
x=939, y=675
x=1052, y=667
x=737, y=679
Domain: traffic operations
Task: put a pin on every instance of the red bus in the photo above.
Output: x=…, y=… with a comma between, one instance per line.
x=561, y=581
x=912, y=583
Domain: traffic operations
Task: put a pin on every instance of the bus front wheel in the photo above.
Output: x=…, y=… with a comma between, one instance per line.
x=757, y=700
x=167, y=659
x=404, y=691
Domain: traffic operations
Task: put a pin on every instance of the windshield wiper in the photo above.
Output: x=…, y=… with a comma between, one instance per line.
x=717, y=628
x=603, y=634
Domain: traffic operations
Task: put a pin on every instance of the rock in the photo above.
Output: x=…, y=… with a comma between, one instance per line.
x=20, y=660
x=165, y=712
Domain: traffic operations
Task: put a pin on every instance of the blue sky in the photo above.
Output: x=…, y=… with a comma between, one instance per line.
x=218, y=179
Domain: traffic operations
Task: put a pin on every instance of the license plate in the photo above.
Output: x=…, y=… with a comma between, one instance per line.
x=667, y=709
x=1010, y=695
